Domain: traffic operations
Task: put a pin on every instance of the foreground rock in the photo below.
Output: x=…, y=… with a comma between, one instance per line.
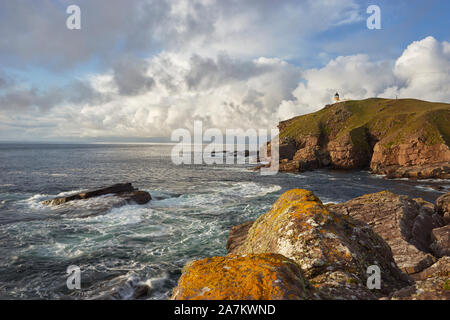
x=333, y=250
x=397, y=138
x=253, y=277
x=126, y=191
x=440, y=238
x=405, y=224
x=431, y=284
x=443, y=207
x=237, y=236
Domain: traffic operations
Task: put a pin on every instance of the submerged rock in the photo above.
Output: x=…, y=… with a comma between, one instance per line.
x=125, y=191
x=252, y=277
x=404, y=223
x=333, y=250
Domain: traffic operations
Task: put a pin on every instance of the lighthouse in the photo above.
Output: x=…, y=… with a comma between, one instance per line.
x=336, y=97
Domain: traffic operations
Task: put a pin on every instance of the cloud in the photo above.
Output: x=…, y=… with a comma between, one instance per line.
x=17, y=99
x=130, y=76
x=207, y=73
x=36, y=33
x=422, y=72
x=152, y=97
x=218, y=96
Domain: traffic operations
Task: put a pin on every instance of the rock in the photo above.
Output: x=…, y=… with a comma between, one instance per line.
x=287, y=149
x=333, y=250
x=140, y=197
x=122, y=190
x=308, y=158
x=245, y=153
x=441, y=241
x=431, y=171
x=402, y=138
x=142, y=290
x=253, y=277
x=440, y=268
x=290, y=166
x=404, y=223
x=237, y=236
x=415, y=158
x=350, y=151
x=432, y=283
x=443, y=207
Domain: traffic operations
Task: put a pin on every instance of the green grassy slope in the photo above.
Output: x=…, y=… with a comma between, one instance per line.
x=391, y=121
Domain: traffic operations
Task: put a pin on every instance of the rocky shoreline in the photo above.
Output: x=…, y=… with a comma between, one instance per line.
x=402, y=138
x=303, y=249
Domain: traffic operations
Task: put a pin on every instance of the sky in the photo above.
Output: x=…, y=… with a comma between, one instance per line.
x=137, y=70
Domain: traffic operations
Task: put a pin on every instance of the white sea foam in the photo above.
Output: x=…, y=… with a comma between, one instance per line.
x=223, y=193
x=425, y=188
x=124, y=215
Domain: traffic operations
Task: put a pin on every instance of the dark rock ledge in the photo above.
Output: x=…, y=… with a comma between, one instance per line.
x=126, y=191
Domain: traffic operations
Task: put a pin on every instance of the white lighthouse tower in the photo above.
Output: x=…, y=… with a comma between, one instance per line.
x=336, y=97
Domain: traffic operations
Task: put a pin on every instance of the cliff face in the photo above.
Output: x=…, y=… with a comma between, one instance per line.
x=399, y=138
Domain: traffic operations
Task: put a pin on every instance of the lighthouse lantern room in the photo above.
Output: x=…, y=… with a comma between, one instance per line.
x=336, y=97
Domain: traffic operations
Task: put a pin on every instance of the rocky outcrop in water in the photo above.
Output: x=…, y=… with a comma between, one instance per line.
x=405, y=224
x=126, y=191
x=397, y=138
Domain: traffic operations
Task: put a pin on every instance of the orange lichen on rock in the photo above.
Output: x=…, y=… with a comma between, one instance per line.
x=325, y=245
x=251, y=277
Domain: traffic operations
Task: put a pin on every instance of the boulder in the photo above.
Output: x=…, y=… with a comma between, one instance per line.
x=404, y=223
x=308, y=158
x=333, y=250
x=252, y=277
x=443, y=207
x=441, y=241
x=432, y=283
x=122, y=190
x=237, y=236
x=293, y=166
x=139, y=197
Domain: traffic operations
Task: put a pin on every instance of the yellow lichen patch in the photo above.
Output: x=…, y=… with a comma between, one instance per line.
x=250, y=277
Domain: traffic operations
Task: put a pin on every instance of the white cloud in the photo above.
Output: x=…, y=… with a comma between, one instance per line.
x=421, y=72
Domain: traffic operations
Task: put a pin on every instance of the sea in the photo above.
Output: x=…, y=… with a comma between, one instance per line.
x=119, y=249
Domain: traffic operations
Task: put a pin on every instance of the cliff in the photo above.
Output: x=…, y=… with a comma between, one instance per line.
x=398, y=138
